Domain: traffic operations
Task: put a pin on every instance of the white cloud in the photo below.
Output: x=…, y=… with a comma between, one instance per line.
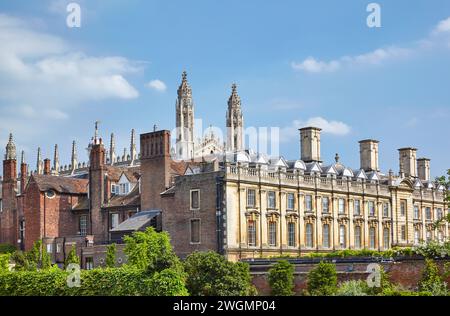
x=379, y=55
x=157, y=85
x=43, y=78
x=336, y=128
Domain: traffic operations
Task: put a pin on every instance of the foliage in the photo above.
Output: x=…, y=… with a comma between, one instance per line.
x=111, y=256
x=281, y=279
x=210, y=274
x=151, y=251
x=385, y=284
x=7, y=248
x=72, y=257
x=353, y=288
x=122, y=281
x=433, y=249
x=431, y=280
x=36, y=259
x=4, y=262
x=322, y=280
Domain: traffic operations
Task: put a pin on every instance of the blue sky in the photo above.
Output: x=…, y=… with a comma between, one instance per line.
x=295, y=63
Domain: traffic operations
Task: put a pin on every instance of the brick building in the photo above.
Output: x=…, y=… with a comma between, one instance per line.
x=218, y=197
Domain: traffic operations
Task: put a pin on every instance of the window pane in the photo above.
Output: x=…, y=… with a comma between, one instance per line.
x=386, y=238
x=114, y=220
x=341, y=206
x=290, y=201
x=358, y=236
x=83, y=225
x=342, y=236
x=195, y=199
x=251, y=198
x=325, y=205
x=195, y=231
x=386, y=210
x=272, y=234
x=291, y=234
x=357, y=207
x=308, y=203
x=252, y=233
x=372, y=237
x=309, y=235
x=326, y=236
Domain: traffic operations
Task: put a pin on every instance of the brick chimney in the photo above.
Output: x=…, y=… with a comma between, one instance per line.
x=47, y=167
x=368, y=153
x=310, y=144
x=155, y=167
x=98, y=221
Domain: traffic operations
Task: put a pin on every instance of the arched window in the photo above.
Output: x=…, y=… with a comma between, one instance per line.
x=372, y=241
x=386, y=238
x=358, y=237
x=326, y=236
x=342, y=236
x=309, y=235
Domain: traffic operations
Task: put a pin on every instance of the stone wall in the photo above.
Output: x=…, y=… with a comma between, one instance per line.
x=405, y=273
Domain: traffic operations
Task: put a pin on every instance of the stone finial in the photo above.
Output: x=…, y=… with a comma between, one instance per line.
x=112, y=149
x=22, y=157
x=74, y=156
x=336, y=158
x=10, y=149
x=96, y=134
x=133, y=151
x=56, y=160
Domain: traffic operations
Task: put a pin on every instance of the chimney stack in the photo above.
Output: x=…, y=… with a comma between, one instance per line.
x=310, y=144
x=408, y=164
x=423, y=169
x=47, y=168
x=368, y=153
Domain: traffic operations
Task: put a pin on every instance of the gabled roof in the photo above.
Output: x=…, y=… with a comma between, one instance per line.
x=329, y=170
x=418, y=183
x=360, y=174
x=297, y=164
x=114, y=173
x=313, y=167
x=60, y=184
x=131, y=199
x=279, y=162
x=373, y=175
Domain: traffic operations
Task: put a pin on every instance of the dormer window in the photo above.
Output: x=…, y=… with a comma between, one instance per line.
x=124, y=188
x=114, y=189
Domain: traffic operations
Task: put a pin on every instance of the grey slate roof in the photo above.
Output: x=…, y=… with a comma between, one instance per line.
x=137, y=221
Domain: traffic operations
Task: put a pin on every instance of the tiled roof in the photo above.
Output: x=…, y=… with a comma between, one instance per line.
x=61, y=184
x=131, y=199
x=132, y=173
x=82, y=205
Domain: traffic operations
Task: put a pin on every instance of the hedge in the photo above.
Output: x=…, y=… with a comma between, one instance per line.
x=98, y=282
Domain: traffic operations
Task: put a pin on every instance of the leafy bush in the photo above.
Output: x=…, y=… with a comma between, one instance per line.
x=432, y=280
x=151, y=251
x=111, y=256
x=322, y=280
x=4, y=262
x=36, y=259
x=98, y=282
x=72, y=257
x=210, y=274
x=281, y=279
x=7, y=248
x=353, y=288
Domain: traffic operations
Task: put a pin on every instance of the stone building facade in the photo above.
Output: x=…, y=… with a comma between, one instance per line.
x=232, y=201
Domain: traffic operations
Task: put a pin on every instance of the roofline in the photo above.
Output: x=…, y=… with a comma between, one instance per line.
x=407, y=148
x=310, y=128
x=423, y=159
x=369, y=141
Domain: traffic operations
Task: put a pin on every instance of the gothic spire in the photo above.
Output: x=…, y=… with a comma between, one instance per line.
x=112, y=150
x=184, y=91
x=10, y=149
x=234, y=101
x=56, y=160
x=235, y=121
x=39, y=163
x=133, y=152
x=74, y=156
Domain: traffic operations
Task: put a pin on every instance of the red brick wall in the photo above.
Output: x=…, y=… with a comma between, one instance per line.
x=405, y=273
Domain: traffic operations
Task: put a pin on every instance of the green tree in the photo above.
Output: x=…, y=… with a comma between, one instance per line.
x=431, y=280
x=322, y=280
x=72, y=257
x=210, y=274
x=111, y=256
x=151, y=251
x=281, y=279
x=36, y=259
x=445, y=182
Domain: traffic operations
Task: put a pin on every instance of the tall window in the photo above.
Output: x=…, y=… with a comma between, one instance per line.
x=416, y=237
x=325, y=205
x=271, y=199
x=291, y=234
x=358, y=237
x=309, y=235
x=428, y=213
x=251, y=198
x=385, y=209
x=429, y=236
x=89, y=263
x=272, y=233
x=251, y=233
x=290, y=201
x=83, y=225
x=114, y=220
x=439, y=214
x=372, y=237
x=326, y=236
x=416, y=212
x=402, y=208
x=341, y=206
x=195, y=199
x=195, y=231
x=357, y=210
x=308, y=203
x=371, y=208
x=342, y=237
x=386, y=238
x=403, y=232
